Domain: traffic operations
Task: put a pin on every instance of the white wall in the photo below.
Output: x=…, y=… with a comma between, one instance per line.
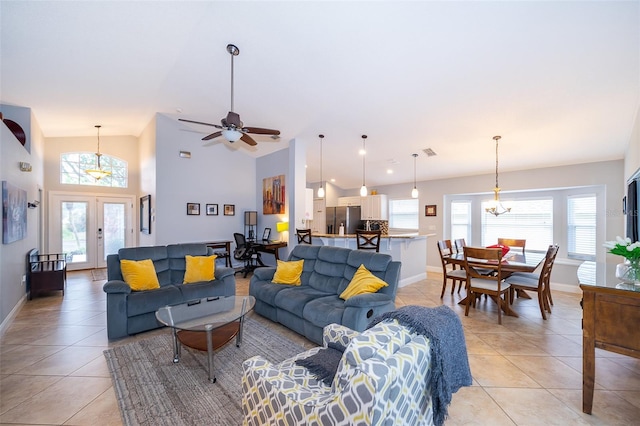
x=148, y=176
x=632, y=158
x=13, y=255
x=216, y=174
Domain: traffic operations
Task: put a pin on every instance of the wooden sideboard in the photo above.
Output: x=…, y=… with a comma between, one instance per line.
x=610, y=321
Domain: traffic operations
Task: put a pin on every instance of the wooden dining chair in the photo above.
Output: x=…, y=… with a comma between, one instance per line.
x=540, y=283
x=304, y=236
x=449, y=270
x=368, y=240
x=491, y=285
x=459, y=244
x=511, y=243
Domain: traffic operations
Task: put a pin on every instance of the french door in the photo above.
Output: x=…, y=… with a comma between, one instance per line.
x=88, y=227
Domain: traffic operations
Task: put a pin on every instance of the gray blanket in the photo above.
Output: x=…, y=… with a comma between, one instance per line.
x=449, y=361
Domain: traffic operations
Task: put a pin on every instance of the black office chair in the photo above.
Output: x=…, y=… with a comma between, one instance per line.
x=245, y=253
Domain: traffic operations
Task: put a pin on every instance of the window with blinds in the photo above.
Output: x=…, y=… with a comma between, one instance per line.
x=530, y=219
x=581, y=226
x=461, y=220
x=403, y=214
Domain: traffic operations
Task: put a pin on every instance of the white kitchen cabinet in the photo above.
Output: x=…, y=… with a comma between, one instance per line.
x=319, y=222
x=374, y=207
x=349, y=201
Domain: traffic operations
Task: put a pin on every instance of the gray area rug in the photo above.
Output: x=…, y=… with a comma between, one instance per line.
x=152, y=390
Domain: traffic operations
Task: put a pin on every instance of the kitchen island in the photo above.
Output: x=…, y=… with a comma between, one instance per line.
x=410, y=249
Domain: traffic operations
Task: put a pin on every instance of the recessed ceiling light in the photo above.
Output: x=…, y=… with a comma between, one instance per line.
x=389, y=171
x=332, y=180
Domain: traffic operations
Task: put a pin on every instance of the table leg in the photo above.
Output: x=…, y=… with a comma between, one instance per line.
x=212, y=377
x=588, y=351
x=176, y=346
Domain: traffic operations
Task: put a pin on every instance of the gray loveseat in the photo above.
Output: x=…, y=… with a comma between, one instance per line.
x=327, y=271
x=130, y=312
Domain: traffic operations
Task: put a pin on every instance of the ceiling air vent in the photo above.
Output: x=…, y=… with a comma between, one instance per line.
x=429, y=152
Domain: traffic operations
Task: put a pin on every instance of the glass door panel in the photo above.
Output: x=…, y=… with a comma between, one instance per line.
x=112, y=228
x=74, y=231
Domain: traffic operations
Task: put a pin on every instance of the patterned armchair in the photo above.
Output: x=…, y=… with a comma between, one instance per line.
x=381, y=379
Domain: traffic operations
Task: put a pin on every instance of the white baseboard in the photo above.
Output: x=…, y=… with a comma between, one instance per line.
x=14, y=312
x=413, y=279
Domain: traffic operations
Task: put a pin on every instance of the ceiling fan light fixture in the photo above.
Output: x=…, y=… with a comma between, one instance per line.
x=232, y=135
x=98, y=173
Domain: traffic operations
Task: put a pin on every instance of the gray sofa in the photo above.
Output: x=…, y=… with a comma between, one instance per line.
x=308, y=308
x=130, y=312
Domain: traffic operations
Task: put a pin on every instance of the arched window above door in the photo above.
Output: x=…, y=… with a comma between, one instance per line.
x=74, y=164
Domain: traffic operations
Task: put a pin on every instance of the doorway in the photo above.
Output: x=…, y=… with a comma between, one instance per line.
x=89, y=227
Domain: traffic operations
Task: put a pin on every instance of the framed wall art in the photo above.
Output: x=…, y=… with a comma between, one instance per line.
x=212, y=210
x=229, y=209
x=14, y=213
x=430, y=210
x=193, y=209
x=145, y=214
x=273, y=195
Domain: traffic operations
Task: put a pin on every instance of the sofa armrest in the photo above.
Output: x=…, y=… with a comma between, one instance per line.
x=368, y=300
x=336, y=333
x=264, y=274
x=222, y=272
x=116, y=286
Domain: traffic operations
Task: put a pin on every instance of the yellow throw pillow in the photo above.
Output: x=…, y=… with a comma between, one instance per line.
x=199, y=268
x=362, y=282
x=288, y=272
x=139, y=274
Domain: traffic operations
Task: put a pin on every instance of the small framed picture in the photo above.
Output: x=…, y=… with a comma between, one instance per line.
x=212, y=210
x=193, y=209
x=229, y=209
x=430, y=210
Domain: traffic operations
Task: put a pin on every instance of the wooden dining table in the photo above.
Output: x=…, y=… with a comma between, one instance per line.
x=511, y=262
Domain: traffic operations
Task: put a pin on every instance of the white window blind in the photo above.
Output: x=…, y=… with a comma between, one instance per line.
x=74, y=164
x=461, y=220
x=403, y=214
x=530, y=219
x=581, y=226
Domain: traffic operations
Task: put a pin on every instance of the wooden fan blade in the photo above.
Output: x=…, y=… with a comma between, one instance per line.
x=233, y=119
x=212, y=136
x=261, y=131
x=248, y=139
x=200, y=122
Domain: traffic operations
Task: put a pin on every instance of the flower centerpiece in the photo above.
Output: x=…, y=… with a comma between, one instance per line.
x=628, y=272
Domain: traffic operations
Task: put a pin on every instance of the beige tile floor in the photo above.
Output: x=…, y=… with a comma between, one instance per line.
x=526, y=371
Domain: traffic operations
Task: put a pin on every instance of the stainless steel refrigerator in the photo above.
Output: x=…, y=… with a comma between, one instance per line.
x=349, y=216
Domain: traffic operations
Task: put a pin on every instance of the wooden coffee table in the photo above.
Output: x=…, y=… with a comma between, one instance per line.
x=206, y=324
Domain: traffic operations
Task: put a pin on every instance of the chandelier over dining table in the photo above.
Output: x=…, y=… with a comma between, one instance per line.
x=495, y=206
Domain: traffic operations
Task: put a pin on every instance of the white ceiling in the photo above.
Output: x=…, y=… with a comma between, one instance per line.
x=559, y=81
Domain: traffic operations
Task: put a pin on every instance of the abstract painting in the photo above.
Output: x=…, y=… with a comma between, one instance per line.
x=273, y=191
x=14, y=213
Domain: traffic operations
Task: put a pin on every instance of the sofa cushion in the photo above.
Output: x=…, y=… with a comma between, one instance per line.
x=288, y=272
x=144, y=302
x=157, y=254
x=176, y=258
x=329, y=270
x=139, y=274
x=362, y=282
x=308, y=254
x=376, y=263
x=200, y=290
x=324, y=310
x=294, y=299
x=199, y=268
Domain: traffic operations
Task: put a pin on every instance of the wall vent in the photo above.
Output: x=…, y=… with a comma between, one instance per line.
x=429, y=152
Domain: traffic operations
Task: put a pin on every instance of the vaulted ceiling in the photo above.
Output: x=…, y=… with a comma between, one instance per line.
x=559, y=81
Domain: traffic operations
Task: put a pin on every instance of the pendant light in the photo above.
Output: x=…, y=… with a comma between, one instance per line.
x=98, y=173
x=414, y=191
x=495, y=206
x=363, y=189
x=321, y=189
